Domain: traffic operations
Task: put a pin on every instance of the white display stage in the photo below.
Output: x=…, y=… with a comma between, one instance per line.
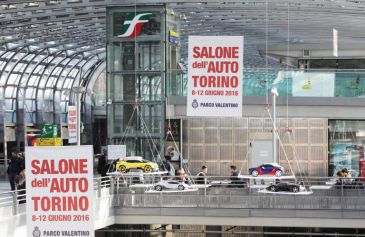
x=267, y=177
x=321, y=187
x=200, y=185
x=286, y=193
x=141, y=185
x=251, y=178
x=135, y=174
x=172, y=191
x=331, y=182
x=257, y=186
x=220, y=182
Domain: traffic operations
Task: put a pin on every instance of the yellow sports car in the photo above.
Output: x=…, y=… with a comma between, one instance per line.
x=136, y=162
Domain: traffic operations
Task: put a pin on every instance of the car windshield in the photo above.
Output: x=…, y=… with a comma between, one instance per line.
x=145, y=161
x=133, y=161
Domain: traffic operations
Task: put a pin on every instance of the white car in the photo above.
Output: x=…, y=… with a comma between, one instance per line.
x=170, y=184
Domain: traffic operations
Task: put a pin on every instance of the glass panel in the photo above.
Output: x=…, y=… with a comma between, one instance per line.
x=33, y=80
x=30, y=105
x=125, y=123
x=150, y=56
x=10, y=91
x=30, y=117
x=39, y=69
x=64, y=105
x=10, y=117
x=99, y=89
x=13, y=79
x=48, y=117
x=64, y=118
x=346, y=146
x=9, y=104
x=51, y=80
x=129, y=87
x=299, y=83
x=48, y=94
x=147, y=148
x=121, y=56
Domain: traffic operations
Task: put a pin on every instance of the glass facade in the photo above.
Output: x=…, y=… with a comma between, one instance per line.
x=136, y=74
x=346, y=146
x=299, y=83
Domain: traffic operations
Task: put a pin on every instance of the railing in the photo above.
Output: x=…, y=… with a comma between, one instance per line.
x=298, y=83
x=15, y=198
x=323, y=193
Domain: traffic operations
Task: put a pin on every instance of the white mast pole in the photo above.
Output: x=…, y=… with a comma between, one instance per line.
x=274, y=93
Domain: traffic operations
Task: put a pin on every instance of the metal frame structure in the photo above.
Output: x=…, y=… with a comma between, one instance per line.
x=44, y=44
x=43, y=47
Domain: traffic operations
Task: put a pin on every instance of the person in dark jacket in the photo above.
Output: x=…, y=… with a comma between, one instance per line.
x=103, y=168
x=101, y=164
x=14, y=169
x=236, y=181
x=201, y=176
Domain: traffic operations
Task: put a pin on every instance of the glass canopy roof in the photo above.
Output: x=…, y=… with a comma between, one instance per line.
x=49, y=46
x=46, y=48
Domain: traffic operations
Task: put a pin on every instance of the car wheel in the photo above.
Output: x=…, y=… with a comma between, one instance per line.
x=123, y=169
x=255, y=173
x=147, y=169
x=278, y=173
x=181, y=187
x=273, y=189
x=295, y=189
x=158, y=188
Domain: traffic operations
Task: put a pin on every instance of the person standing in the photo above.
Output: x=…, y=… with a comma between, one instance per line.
x=235, y=180
x=201, y=176
x=14, y=169
x=348, y=178
x=102, y=163
x=173, y=154
x=167, y=166
x=181, y=175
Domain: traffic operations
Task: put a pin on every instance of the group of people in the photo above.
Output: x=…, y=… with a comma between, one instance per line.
x=234, y=173
x=178, y=174
x=174, y=171
x=201, y=177
x=345, y=175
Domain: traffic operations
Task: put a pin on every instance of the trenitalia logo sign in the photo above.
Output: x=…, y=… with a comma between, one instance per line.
x=133, y=24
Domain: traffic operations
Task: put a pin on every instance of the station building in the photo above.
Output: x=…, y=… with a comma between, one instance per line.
x=134, y=85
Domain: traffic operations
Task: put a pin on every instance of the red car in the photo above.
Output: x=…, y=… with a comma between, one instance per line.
x=267, y=169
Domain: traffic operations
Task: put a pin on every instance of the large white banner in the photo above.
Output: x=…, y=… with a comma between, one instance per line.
x=215, y=76
x=72, y=124
x=59, y=191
